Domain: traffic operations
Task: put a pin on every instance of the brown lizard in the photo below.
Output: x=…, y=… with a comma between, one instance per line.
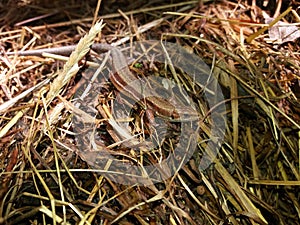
x=121, y=77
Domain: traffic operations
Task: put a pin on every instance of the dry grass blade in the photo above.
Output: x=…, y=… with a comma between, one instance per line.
x=71, y=67
x=237, y=192
x=259, y=32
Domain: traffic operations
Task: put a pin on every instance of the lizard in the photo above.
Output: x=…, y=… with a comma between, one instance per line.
x=121, y=77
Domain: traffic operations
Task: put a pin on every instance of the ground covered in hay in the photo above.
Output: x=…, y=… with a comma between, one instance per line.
x=245, y=171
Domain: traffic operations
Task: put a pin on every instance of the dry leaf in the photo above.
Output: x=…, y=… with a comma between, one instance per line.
x=282, y=32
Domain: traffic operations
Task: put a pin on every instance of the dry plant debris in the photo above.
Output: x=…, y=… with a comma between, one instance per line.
x=256, y=176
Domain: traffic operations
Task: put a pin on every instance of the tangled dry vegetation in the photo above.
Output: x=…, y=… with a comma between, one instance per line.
x=254, y=179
